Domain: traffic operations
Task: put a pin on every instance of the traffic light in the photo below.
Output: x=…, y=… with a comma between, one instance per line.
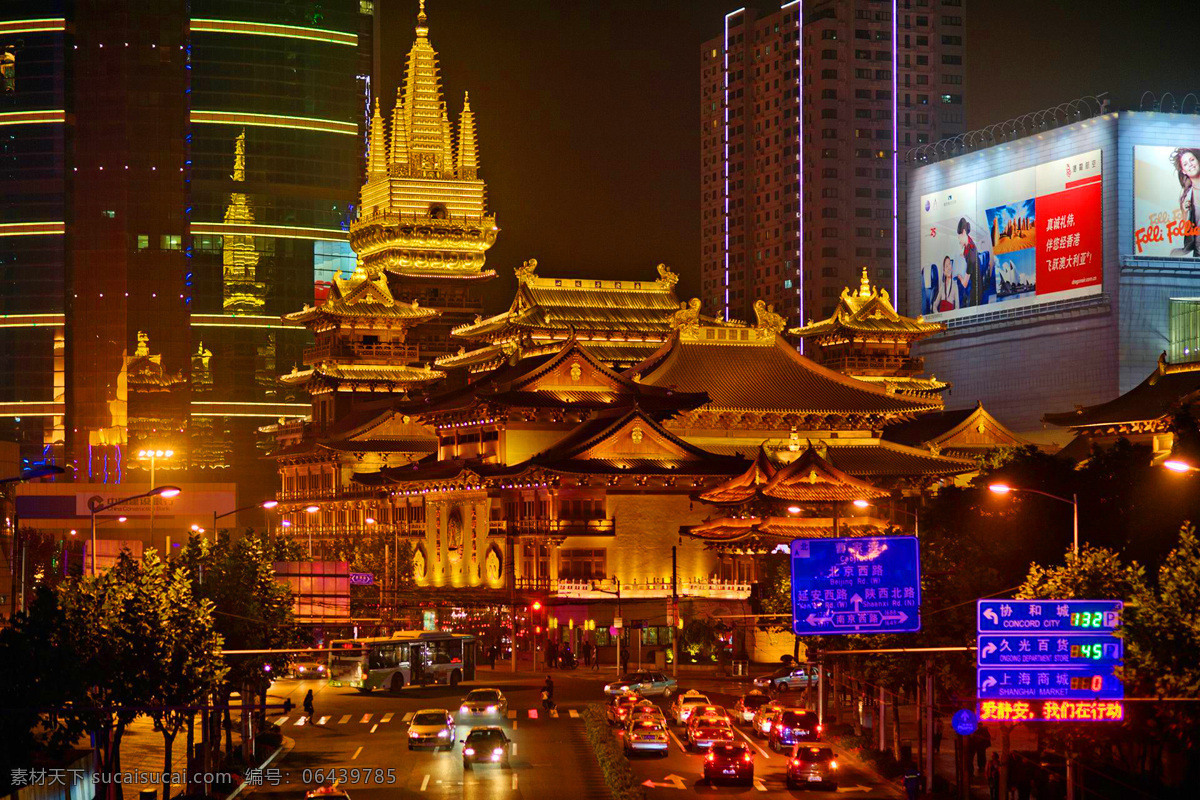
x=537, y=606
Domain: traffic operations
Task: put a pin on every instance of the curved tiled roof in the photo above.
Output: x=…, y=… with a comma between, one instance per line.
x=768, y=377
x=812, y=479
x=1152, y=399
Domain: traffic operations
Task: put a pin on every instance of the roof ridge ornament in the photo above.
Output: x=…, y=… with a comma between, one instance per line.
x=688, y=315
x=666, y=276
x=526, y=272
x=768, y=320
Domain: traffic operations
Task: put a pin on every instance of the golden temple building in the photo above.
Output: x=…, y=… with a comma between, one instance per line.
x=867, y=338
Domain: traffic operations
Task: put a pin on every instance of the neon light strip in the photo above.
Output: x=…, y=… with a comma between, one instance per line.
x=48, y=25
x=32, y=228
x=239, y=321
x=32, y=320
x=275, y=121
x=276, y=231
x=33, y=408
x=239, y=409
x=799, y=163
x=725, y=164
x=32, y=117
x=282, y=31
x=895, y=161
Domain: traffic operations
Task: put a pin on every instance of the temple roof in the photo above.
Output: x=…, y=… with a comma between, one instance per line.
x=868, y=312
x=741, y=488
x=555, y=305
x=752, y=369
x=374, y=373
x=964, y=430
x=808, y=479
x=764, y=534
x=910, y=384
x=874, y=459
x=360, y=296
x=1150, y=401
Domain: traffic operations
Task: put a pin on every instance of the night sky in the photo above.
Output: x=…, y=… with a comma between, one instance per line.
x=587, y=112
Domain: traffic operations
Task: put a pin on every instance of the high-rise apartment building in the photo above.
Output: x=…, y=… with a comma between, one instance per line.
x=175, y=176
x=879, y=77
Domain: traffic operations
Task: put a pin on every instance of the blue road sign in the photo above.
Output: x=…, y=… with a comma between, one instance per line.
x=1049, y=649
x=964, y=722
x=362, y=579
x=856, y=585
x=1049, y=683
x=1062, y=616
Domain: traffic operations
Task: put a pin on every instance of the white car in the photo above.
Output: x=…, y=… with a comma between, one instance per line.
x=309, y=668
x=431, y=727
x=484, y=703
x=685, y=703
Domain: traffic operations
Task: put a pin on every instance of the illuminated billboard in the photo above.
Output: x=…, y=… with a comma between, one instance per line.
x=1166, y=188
x=1021, y=238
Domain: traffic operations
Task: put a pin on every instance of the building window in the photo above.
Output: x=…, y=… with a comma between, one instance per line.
x=170, y=241
x=108, y=213
x=582, y=564
x=143, y=242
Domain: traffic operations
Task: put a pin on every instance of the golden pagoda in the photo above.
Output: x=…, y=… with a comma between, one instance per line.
x=423, y=216
x=620, y=322
x=239, y=260
x=867, y=339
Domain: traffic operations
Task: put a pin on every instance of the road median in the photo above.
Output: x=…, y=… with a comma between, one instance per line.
x=618, y=773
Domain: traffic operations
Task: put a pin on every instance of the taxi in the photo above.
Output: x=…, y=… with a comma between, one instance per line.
x=704, y=731
x=645, y=709
x=685, y=703
x=646, y=735
x=764, y=719
x=620, y=707
x=747, y=705
x=332, y=792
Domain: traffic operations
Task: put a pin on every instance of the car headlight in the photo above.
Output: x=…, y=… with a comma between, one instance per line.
x=443, y=734
x=413, y=735
x=491, y=709
x=301, y=669
x=499, y=751
x=468, y=751
x=320, y=669
x=608, y=687
x=463, y=709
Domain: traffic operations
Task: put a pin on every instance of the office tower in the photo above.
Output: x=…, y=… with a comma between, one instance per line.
x=176, y=176
x=754, y=137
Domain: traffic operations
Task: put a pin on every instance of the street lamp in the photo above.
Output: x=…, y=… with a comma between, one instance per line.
x=97, y=504
x=310, y=510
x=152, y=456
x=265, y=504
x=1004, y=488
x=864, y=504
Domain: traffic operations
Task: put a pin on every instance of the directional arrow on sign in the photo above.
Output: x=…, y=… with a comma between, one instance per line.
x=672, y=782
x=813, y=619
x=854, y=598
x=988, y=649
x=988, y=683
x=898, y=616
x=991, y=615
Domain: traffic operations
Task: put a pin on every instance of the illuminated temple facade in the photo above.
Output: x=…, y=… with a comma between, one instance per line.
x=580, y=443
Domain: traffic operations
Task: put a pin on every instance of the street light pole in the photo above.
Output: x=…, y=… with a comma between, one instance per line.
x=96, y=505
x=1004, y=488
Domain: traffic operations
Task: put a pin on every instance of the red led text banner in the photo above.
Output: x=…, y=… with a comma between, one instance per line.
x=1051, y=711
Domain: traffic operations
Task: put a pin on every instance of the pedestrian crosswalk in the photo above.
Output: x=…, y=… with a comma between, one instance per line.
x=391, y=717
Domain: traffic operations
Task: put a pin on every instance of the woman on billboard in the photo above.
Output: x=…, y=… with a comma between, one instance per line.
x=970, y=275
x=1186, y=161
x=947, y=288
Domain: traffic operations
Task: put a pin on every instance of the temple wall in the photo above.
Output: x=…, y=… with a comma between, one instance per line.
x=647, y=526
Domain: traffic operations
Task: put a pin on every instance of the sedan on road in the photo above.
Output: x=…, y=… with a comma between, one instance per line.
x=620, y=708
x=729, y=761
x=812, y=764
x=787, y=678
x=646, y=735
x=685, y=703
x=794, y=726
x=747, y=705
x=644, y=683
x=484, y=703
x=645, y=709
x=431, y=727
x=704, y=732
x=764, y=718
x=487, y=745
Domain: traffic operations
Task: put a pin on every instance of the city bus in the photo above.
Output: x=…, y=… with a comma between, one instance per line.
x=405, y=658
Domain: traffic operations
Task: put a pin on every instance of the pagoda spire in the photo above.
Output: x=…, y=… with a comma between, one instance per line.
x=377, y=152
x=447, y=143
x=423, y=102
x=467, y=166
x=239, y=259
x=864, y=285
x=399, y=134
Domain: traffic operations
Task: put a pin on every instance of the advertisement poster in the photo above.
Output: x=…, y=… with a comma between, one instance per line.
x=1020, y=238
x=1166, y=188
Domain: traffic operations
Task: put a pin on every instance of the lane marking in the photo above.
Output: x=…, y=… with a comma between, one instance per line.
x=676, y=738
x=758, y=784
x=386, y=718
x=512, y=715
x=533, y=714
x=373, y=727
x=514, y=748
x=366, y=718
x=406, y=717
x=322, y=720
x=514, y=781
x=516, y=722
x=574, y=714
x=753, y=743
x=344, y=720
x=299, y=721
x=554, y=713
x=280, y=721
x=356, y=752
x=425, y=782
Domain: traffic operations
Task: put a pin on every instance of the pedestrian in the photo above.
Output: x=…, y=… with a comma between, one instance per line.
x=624, y=659
x=308, y=705
x=548, y=693
x=993, y=777
x=551, y=654
x=586, y=650
x=912, y=783
x=595, y=658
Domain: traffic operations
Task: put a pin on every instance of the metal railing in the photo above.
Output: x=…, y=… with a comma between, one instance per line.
x=377, y=350
x=550, y=527
x=897, y=363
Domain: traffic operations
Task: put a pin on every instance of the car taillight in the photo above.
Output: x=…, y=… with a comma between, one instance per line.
x=795, y=762
x=833, y=765
x=746, y=758
x=820, y=728
x=711, y=756
x=787, y=730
